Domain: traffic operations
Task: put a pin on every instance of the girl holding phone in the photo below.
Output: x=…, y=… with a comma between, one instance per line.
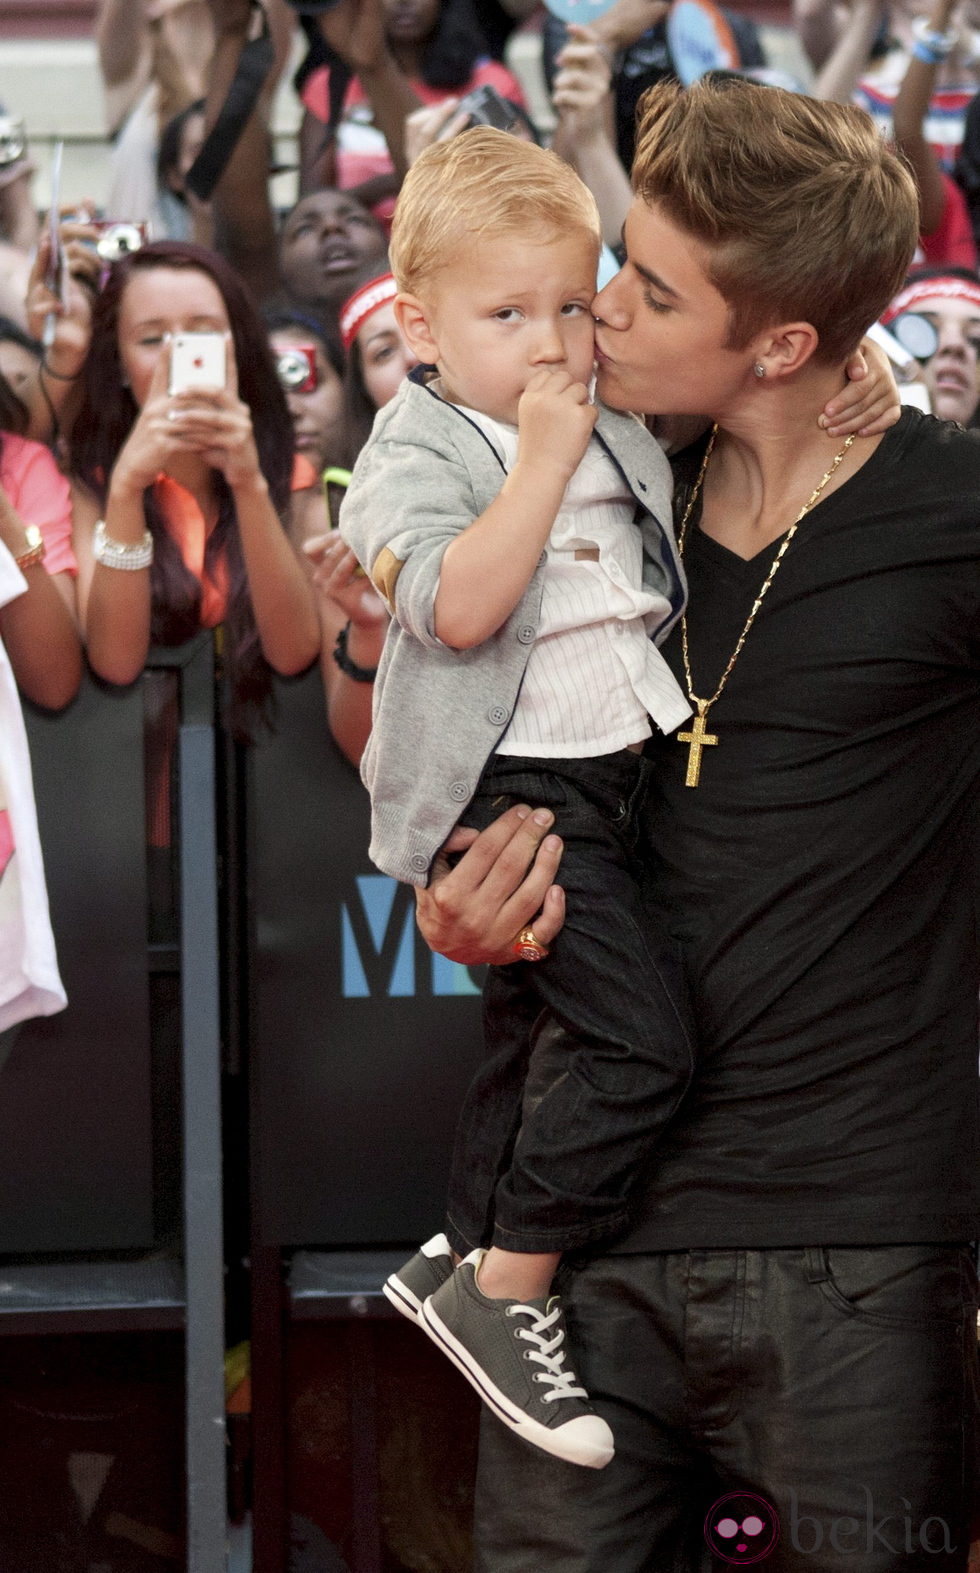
x=182, y=492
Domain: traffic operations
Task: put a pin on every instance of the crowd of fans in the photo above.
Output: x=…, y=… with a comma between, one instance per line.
x=231, y=499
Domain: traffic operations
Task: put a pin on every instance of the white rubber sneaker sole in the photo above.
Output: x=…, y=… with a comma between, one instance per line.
x=401, y=1295
x=587, y=1440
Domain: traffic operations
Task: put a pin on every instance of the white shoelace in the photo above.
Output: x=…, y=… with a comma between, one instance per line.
x=549, y=1353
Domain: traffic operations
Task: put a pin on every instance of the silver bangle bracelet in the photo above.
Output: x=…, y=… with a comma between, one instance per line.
x=118, y=554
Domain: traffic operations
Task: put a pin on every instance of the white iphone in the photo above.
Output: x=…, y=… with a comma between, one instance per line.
x=197, y=360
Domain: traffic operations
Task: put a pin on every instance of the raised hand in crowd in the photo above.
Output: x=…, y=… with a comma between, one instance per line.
x=946, y=232
x=355, y=31
x=154, y=438
x=839, y=40
x=327, y=236
x=154, y=56
x=244, y=224
x=585, y=135
x=67, y=314
x=818, y=24
x=399, y=58
x=163, y=41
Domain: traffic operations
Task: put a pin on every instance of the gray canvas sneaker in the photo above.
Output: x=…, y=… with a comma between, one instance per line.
x=513, y=1354
x=421, y=1276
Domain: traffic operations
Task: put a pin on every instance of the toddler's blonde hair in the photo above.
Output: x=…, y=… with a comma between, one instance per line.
x=481, y=183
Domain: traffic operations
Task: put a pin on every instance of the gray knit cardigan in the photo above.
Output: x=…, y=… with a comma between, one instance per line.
x=426, y=472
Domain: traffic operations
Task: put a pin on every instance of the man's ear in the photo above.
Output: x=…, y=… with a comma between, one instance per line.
x=413, y=324
x=786, y=349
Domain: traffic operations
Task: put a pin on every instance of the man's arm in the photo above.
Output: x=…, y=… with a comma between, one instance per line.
x=585, y=134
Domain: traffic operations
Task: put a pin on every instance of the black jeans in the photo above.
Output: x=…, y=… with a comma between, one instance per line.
x=545, y=1163
x=829, y=1392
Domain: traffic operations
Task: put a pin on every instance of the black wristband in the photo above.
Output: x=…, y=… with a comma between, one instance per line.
x=360, y=674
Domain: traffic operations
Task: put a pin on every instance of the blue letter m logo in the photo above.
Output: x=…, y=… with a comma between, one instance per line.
x=381, y=955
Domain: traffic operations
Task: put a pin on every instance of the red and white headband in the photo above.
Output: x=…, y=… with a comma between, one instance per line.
x=941, y=288
x=355, y=311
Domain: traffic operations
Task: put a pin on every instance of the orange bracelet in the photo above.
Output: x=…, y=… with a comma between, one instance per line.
x=35, y=547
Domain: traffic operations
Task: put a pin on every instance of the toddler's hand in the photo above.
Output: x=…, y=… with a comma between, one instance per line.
x=869, y=402
x=555, y=421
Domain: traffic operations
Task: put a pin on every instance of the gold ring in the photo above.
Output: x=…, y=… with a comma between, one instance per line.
x=527, y=948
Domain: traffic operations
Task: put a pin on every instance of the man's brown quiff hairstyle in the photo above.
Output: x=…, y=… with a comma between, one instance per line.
x=803, y=211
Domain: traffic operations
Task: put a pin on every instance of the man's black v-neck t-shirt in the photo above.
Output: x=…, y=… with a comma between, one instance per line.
x=822, y=877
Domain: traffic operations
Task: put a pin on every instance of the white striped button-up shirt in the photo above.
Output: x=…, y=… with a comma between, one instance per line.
x=595, y=677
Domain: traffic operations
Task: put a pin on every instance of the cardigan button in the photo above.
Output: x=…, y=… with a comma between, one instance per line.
x=419, y=862
x=526, y=634
x=497, y=714
x=459, y=792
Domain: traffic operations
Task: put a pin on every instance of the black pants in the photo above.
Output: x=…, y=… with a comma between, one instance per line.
x=545, y=1162
x=813, y=1407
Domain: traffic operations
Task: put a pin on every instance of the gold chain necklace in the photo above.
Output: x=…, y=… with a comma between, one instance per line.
x=699, y=737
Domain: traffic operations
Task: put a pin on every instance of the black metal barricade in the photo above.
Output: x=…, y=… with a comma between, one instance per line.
x=110, y=1135
x=76, y=1143
x=361, y=1045
x=362, y=1040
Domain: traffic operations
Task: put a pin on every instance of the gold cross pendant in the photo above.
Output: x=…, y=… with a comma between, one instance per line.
x=698, y=738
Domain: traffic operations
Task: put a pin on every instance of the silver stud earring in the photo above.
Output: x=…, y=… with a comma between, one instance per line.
x=759, y=369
